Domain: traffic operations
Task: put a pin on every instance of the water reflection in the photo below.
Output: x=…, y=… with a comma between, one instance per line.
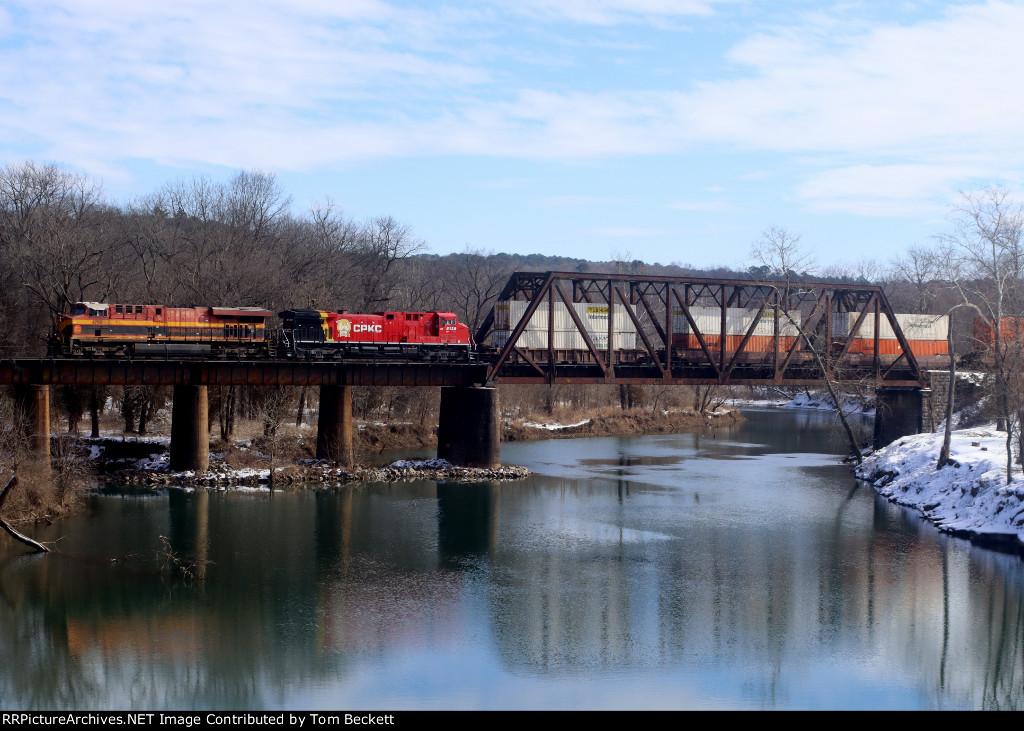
x=728, y=571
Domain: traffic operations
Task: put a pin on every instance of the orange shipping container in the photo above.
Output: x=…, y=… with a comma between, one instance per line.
x=1010, y=328
x=891, y=346
x=756, y=344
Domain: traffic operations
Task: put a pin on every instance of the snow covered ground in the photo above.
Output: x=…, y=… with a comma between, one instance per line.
x=969, y=499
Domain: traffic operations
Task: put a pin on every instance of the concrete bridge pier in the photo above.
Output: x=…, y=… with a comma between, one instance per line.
x=190, y=429
x=32, y=404
x=334, y=425
x=898, y=413
x=469, y=431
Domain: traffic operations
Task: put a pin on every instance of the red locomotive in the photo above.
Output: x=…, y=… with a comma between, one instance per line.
x=407, y=335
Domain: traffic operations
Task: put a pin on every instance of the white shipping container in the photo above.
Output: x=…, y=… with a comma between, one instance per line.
x=737, y=321
x=914, y=327
x=564, y=340
x=594, y=317
x=528, y=339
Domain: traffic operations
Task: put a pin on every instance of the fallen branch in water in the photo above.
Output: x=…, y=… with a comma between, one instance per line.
x=4, y=524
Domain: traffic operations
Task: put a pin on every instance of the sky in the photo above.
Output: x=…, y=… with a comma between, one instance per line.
x=661, y=130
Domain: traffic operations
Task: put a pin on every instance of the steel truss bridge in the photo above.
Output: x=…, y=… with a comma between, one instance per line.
x=653, y=305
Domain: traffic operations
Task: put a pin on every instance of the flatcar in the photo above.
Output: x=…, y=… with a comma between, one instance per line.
x=130, y=330
x=407, y=335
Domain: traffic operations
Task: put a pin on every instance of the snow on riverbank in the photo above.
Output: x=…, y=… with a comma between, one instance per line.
x=969, y=499
x=819, y=401
x=824, y=402
x=554, y=425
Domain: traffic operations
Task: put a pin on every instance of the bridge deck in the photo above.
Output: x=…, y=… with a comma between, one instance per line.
x=53, y=371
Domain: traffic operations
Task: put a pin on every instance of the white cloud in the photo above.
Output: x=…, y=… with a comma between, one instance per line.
x=608, y=12
x=882, y=190
x=878, y=112
x=893, y=89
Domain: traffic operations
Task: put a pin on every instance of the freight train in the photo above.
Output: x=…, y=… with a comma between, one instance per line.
x=96, y=329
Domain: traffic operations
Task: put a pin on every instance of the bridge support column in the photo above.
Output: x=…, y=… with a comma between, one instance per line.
x=190, y=429
x=898, y=413
x=334, y=426
x=33, y=406
x=469, y=431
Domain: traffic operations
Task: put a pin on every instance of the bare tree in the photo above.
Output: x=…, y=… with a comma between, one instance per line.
x=982, y=257
x=386, y=244
x=920, y=268
x=320, y=258
x=707, y=399
x=474, y=280
x=53, y=241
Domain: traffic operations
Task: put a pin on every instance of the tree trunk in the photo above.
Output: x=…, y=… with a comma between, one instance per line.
x=144, y=410
x=302, y=407
x=94, y=410
x=1009, y=455
x=1020, y=438
x=230, y=416
x=948, y=436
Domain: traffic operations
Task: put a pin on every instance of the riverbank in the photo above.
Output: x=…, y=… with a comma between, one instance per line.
x=371, y=438
x=287, y=459
x=969, y=498
x=617, y=423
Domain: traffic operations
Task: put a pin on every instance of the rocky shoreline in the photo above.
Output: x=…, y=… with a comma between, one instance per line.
x=144, y=463
x=314, y=472
x=968, y=499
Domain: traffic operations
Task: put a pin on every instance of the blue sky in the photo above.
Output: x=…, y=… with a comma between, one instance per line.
x=665, y=130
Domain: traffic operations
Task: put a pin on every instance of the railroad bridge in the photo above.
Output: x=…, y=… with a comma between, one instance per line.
x=554, y=328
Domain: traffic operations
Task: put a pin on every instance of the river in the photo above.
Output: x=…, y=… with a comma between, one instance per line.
x=741, y=568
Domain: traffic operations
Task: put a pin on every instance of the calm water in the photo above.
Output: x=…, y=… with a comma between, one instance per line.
x=737, y=569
